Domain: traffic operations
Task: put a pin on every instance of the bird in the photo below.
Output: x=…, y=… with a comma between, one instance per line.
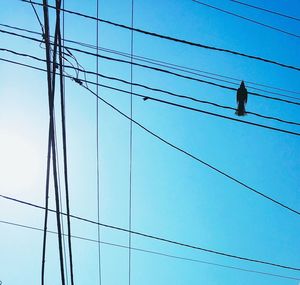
x=241, y=99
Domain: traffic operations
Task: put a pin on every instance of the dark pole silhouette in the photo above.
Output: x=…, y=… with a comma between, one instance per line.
x=241, y=99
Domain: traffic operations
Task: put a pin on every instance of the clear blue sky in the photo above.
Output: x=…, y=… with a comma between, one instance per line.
x=173, y=196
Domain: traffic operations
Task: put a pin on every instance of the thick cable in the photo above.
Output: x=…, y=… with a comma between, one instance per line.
x=175, y=95
x=173, y=66
x=158, y=253
x=164, y=71
x=189, y=154
x=199, y=45
x=65, y=159
x=51, y=87
x=46, y=207
x=158, y=238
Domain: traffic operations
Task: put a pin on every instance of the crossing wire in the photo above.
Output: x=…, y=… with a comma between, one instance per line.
x=187, y=153
x=97, y=149
x=64, y=138
x=179, y=105
x=130, y=144
x=158, y=238
x=173, y=66
x=182, y=41
x=51, y=86
x=161, y=70
x=158, y=253
x=155, y=89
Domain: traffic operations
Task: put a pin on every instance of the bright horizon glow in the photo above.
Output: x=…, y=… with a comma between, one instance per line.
x=20, y=163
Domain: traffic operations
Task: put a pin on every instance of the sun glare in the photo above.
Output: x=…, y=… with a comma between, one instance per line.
x=20, y=164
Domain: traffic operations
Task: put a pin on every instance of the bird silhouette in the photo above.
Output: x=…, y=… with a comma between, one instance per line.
x=241, y=99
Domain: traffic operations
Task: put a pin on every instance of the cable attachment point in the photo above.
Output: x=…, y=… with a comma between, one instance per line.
x=77, y=80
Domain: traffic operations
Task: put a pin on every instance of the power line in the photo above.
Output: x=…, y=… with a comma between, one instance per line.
x=130, y=143
x=163, y=71
x=37, y=16
x=51, y=93
x=62, y=70
x=60, y=197
x=266, y=10
x=173, y=66
x=165, y=240
x=193, y=99
x=159, y=253
x=158, y=90
x=46, y=206
x=185, y=152
x=195, y=158
x=205, y=112
x=247, y=19
x=199, y=45
x=97, y=148
x=185, y=76
x=197, y=110
x=64, y=138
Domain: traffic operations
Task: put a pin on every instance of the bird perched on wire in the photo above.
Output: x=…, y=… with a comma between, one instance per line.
x=241, y=99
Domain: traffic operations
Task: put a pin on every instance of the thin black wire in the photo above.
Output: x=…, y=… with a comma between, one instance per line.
x=51, y=87
x=156, y=252
x=97, y=148
x=194, y=99
x=59, y=183
x=212, y=251
x=184, y=76
x=47, y=178
x=65, y=159
x=247, y=19
x=173, y=66
x=60, y=197
x=156, y=90
x=178, y=40
x=194, y=157
x=266, y=10
x=130, y=142
x=37, y=17
x=61, y=39
x=183, y=106
x=46, y=206
x=202, y=111
x=185, y=152
x=163, y=71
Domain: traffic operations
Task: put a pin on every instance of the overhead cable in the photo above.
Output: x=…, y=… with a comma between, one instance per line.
x=51, y=86
x=199, y=45
x=158, y=253
x=247, y=19
x=158, y=238
x=187, y=153
x=186, y=69
x=163, y=71
x=266, y=10
x=156, y=90
x=98, y=150
x=130, y=144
